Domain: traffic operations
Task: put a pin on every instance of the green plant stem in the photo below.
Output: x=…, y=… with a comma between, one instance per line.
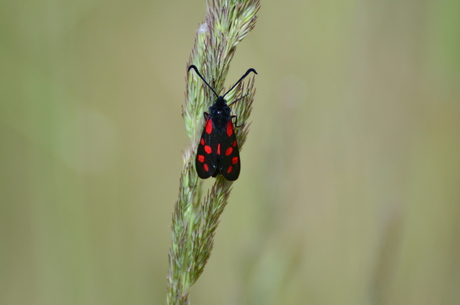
x=194, y=219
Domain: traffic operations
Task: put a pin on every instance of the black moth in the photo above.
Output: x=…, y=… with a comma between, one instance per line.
x=217, y=151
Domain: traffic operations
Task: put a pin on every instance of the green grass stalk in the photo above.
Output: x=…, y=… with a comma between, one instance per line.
x=195, y=219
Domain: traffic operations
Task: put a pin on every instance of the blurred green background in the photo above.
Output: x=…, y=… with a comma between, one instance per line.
x=350, y=186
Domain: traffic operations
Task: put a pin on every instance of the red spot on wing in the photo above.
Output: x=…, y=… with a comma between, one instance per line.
x=207, y=149
x=229, y=128
x=229, y=151
x=206, y=167
x=218, y=148
x=234, y=144
x=234, y=160
x=201, y=158
x=208, y=127
x=229, y=169
x=202, y=141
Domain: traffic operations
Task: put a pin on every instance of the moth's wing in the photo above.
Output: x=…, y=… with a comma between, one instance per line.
x=206, y=154
x=229, y=157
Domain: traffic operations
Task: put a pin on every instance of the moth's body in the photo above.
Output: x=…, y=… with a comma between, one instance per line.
x=217, y=151
x=220, y=114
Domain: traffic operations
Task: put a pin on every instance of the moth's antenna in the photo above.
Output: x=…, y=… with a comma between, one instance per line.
x=242, y=77
x=217, y=95
x=196, y=70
